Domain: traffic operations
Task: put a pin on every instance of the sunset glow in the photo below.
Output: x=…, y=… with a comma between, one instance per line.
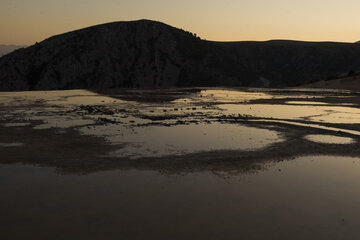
x=25, y=22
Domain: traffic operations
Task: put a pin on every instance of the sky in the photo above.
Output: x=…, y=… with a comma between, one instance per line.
x=30, y=21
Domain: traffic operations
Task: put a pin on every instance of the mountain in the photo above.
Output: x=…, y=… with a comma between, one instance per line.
x=152, y=54
x=5, y=49
x=350, y=81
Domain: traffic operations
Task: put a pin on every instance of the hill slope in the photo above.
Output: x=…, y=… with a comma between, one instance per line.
x=151, y=54
x=349, y=82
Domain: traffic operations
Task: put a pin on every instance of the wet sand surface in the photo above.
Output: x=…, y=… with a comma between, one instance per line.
x=180, y=164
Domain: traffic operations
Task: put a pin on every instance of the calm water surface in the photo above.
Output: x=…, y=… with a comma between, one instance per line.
x=314, y=197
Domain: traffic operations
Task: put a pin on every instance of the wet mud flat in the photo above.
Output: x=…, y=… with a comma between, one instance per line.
x=175, y=129
x=180, y=163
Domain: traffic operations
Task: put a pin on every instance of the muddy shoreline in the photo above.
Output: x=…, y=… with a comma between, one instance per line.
x=71, y=151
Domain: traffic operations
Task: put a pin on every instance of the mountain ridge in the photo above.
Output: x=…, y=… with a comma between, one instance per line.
x=146, y=53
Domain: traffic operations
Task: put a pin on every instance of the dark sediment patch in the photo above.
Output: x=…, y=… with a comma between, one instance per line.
x=148, y=95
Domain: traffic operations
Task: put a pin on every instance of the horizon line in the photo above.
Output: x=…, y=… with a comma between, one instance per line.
x=203, y=39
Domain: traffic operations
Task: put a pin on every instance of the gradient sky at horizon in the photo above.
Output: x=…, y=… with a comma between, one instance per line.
x=28, y=21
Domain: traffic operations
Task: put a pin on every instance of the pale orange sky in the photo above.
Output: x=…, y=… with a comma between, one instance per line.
x=28, y=21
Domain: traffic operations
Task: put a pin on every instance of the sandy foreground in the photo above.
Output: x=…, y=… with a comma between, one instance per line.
x=180, y=164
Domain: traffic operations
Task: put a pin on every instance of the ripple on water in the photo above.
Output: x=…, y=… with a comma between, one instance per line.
x=329, y=114
x=329, y=139
x=306, y=103
x=11, y=144
x=19, y=124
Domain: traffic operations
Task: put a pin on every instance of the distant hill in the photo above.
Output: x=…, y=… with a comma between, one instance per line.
x=350, y=81
x=5, y=49
x=152, y=54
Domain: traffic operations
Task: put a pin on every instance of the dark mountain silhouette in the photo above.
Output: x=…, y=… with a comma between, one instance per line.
x=152, y=54
x=350, y=81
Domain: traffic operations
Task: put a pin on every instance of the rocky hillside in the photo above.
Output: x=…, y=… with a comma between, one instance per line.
x=152, y=54
x=351, y=81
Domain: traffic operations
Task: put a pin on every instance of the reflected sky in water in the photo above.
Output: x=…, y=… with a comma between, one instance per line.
x=157, y=141
x=333, y=114
x=178, y=121
x=306, y=198
x=329, y=139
